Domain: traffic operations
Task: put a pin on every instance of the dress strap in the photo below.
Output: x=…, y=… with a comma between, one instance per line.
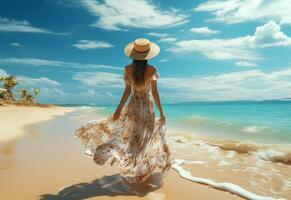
x=154, y=76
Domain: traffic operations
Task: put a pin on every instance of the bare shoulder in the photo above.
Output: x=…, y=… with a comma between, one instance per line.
x=128, y=69
x=151, y=69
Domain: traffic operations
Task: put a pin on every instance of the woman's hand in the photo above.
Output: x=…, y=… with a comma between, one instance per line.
x=116, y=115
x=162, y=119
x=166, y=148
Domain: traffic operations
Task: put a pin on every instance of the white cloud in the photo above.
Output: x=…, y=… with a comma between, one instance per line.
x=97, y=94
x=163, y=37
x=31, y=61
x=242, y=85
x=158, y=35
x=164, y=60
x=270, y=34
x=33, y=82
x=99, y=66
x=237, y=11
x=91, y=44
x=90, y=93
x=3, y=72
x=118, y=15
x=11, y=25
x=219, y=49
x=54, y=94
x=99, y=79
x=168, y=39
x=203, y=30
x=240, y=48
x=245, y=64
x=16, y=44
x=49, y=89
x=37, y=82
x=45, y=62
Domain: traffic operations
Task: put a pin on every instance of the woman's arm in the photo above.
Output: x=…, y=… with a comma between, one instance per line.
x=126, y=93
x=156, y=96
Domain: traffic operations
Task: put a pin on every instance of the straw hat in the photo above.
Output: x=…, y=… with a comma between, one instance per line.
x=141, y=49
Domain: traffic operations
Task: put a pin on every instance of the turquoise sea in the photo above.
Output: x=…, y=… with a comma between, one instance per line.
x=257, y=121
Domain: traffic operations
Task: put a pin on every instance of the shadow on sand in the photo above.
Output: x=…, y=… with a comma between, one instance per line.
x=106, y=186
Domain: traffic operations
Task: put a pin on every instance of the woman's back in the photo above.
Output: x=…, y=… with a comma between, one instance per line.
x=150, y=75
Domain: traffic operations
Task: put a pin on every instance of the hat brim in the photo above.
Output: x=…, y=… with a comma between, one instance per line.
x=130, y=52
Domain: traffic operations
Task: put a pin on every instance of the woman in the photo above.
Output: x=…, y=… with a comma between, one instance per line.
x=132, y=137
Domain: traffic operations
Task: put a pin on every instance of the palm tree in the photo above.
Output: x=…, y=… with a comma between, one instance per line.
x=23, y=94
x=3, y=93
x=2, y=90
x=9, y=82
x=26, y=96
x=36, y=91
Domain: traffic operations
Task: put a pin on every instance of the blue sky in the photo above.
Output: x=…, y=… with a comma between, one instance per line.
x=210, y=50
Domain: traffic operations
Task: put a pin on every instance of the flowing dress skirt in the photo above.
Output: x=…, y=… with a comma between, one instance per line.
x=134, y=142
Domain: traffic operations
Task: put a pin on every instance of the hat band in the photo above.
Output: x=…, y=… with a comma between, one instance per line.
x=141, y=51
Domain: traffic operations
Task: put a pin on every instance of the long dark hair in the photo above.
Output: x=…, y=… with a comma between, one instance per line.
x=139, y=70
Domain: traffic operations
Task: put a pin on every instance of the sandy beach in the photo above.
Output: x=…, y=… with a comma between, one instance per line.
x=14, y=119
x=41, y=159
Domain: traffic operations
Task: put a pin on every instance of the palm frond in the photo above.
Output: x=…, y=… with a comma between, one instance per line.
x=36, y=91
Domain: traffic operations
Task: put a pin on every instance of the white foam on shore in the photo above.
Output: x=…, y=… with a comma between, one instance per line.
x=252, y=129
x=84, y=107
x=266, y=152
x=230, y=154
x=89, y=152
x=223, y=163
x=269, y=154
x=230, y=187
x=155, y=196
x=199, y=162
x=274, y=156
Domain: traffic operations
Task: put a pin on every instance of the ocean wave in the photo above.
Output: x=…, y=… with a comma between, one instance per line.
x=275, y=156
x=233, y=129
x=239, y=147
x=198, y=121
x=84, y=107
x=88, y=108
x=230, y=187
x=267, y=152
x=199, y=117
x=252, y=129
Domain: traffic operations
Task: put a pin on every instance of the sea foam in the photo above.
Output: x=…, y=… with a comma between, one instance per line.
x=275, y=156
x=252, y=129
x=267, y=152
x=230, y=187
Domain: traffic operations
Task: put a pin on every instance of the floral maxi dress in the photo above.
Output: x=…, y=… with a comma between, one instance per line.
x=134, y=141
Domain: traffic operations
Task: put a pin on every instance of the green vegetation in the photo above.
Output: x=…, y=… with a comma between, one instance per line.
x=6, y=91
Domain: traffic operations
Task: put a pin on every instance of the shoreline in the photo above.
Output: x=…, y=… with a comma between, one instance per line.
x=275, y=154
x=14, y=118
x=280, y=153
x=52, y=148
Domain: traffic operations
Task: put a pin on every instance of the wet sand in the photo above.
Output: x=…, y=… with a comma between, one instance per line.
x=244, y=164
x=47, y=162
